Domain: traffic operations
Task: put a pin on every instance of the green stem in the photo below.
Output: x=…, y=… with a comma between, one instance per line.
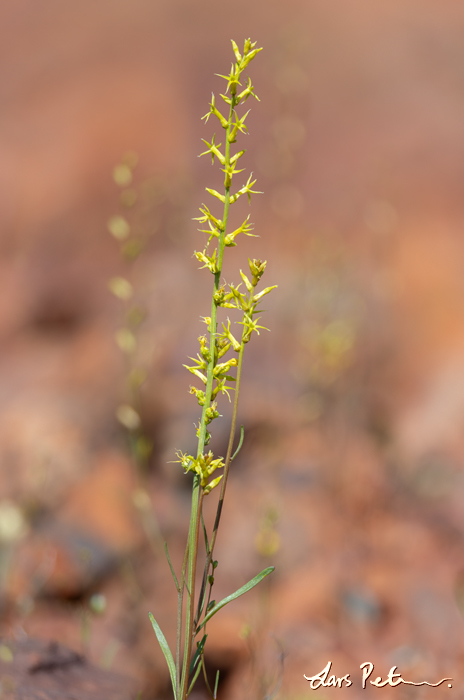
x=193, y=548
x=227, y=462
x=180, y=600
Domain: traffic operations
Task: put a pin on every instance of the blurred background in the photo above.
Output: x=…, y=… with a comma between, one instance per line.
x=351, y=476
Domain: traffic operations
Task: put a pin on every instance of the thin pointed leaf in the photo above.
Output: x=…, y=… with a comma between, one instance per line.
x=242, y=435
x=244, y=589
x=197, y=654
x=205, y=535
x=166, y=651
x=216, y=683
x=194, y=679
x=171, y=566
x=201, y=602
x=205, y=675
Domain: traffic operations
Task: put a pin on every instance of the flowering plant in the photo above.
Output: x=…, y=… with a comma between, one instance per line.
x=216, y=377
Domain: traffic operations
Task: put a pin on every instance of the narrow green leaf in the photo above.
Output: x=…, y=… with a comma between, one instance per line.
x=216, y=683
x=205, y=534
x=166, y=651
x=244, y=589
x=242, y=435
x=197, y=654
x=171, y=566
x=194, y=679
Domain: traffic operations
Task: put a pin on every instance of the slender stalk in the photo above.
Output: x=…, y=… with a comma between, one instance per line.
x=230, y=445
x=197, y=494
x=193, y=550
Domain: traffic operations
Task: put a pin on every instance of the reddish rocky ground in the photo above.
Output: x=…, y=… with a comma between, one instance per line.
x=351, y=477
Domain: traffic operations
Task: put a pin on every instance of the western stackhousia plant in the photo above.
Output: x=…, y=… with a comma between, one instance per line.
x=221, y=354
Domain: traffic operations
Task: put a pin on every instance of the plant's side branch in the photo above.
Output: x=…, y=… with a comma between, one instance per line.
x=227, y=462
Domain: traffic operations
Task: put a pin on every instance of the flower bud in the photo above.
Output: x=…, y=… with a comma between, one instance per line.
x=204, y=348
x=212, y=485
x=218, y=296
x=199, y=394
x=211, y=413
x=257, y=268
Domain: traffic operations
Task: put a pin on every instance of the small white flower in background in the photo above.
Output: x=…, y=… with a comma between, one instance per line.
x=12, y=523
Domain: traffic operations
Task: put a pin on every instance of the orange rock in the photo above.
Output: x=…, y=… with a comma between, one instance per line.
x=101, y=504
